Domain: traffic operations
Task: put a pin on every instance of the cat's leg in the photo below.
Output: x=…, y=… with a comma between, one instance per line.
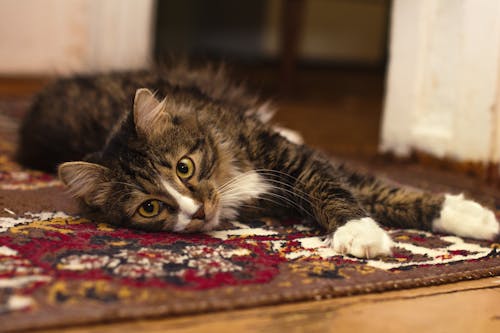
x=403, y=208
x=466, y=218
x=350, y=228
x=306, y=182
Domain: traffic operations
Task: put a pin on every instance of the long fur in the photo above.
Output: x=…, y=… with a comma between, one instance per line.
x=242, y=164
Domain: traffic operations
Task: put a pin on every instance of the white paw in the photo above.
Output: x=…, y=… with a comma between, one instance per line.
x=466, y=218
x=361, y=238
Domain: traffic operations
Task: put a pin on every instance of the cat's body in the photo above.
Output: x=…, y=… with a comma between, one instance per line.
x=207, y=153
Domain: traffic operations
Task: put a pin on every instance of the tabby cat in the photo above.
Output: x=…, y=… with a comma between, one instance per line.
x=185, y=149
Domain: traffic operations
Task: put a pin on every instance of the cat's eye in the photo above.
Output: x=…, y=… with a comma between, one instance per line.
x=150, y=208
x=185, y=168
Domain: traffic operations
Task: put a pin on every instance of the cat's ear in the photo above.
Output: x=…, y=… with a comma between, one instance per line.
x=148, y=111
x=87, y=181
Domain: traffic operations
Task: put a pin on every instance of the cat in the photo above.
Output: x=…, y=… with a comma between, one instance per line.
x=185, y=149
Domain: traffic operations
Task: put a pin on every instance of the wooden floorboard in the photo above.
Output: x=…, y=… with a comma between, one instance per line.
x=472, y=306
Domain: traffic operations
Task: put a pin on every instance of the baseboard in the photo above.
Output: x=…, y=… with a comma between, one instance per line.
x=486, y=172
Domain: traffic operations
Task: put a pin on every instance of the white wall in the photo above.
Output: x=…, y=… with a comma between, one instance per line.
x=67, y=36
x=443, y=79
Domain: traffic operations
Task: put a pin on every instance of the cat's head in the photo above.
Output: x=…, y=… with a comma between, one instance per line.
x=163, y=168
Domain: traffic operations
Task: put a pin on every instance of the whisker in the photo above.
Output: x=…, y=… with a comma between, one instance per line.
x=289, y=201
x=291, y=189
x=251, y=173
x=277, y=181
x=234, y=193
x=237, y=178
x=271, y=172
x=230, y=193
x=278, y=173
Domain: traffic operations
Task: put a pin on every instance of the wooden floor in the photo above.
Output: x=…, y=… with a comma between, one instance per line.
x=461, y=307
x=338, y=111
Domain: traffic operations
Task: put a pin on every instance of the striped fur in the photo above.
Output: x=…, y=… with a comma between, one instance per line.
x=243, y=166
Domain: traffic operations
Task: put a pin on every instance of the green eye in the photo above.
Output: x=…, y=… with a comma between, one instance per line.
x=150, y=208
x=185, y=168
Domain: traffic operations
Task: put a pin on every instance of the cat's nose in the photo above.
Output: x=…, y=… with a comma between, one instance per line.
x=200, y=214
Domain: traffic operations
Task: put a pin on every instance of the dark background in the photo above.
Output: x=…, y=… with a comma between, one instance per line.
x=322, y=61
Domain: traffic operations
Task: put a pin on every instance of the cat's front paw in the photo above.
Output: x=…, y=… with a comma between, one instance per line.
x=466, y=218
x=362, y=238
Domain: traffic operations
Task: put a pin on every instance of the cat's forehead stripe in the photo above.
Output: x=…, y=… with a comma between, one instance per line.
x=198, y=144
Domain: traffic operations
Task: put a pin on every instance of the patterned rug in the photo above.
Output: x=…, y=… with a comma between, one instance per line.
x=58, y=269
